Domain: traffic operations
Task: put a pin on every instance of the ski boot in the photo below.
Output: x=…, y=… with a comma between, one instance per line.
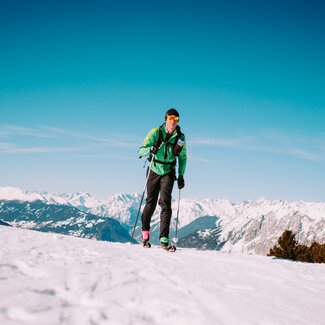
x=145, y=238
x=164, y=244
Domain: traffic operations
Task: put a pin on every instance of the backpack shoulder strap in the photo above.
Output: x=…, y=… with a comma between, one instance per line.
x=179, y=134
x=160, y=137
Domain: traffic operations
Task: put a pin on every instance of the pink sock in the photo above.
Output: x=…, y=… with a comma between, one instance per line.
x=145, y=234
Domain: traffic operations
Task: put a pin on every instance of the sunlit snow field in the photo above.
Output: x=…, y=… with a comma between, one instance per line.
x=54, y=279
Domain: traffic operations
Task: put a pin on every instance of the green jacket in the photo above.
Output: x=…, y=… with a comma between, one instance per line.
x=157, y=167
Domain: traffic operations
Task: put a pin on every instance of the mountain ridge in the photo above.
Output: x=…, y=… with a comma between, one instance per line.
x=46, y=217
x=248, y=226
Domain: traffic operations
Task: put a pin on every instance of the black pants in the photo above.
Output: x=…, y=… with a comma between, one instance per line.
x=164, y=185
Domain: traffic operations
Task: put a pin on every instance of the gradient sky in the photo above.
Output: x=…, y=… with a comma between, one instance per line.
x=82, y=82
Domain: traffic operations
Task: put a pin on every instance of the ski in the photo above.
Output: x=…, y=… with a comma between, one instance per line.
x=170, y=249
x=146, y=244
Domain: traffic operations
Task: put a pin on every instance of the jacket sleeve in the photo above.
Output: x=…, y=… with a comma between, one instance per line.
x=182, y=159
x=148, y=142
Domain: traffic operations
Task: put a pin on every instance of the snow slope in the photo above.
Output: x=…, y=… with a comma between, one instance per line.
x=55, y=279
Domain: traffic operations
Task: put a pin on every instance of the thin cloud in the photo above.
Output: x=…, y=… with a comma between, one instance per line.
x=7, y=131
x=84, y=136
x=305, y=148
x=17, y=130
x=19, y=140
x=6, y=147
x=222, y=142
x=305, y=154
x=206, y=161
x=13, y=149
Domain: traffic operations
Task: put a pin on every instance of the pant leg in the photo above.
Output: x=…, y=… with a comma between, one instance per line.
x=165, y=202
x=153, y=187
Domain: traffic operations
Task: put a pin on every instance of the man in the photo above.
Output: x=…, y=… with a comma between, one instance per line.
x=164, y=144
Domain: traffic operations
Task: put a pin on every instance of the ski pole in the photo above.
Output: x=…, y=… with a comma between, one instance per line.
x=151, y=159
x=175, y=239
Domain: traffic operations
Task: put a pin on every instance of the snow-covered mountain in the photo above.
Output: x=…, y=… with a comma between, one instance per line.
x=81, y=200
x=249, y=226
x=2, y=223
x=254, y=227
x=53, y=279
x=42, y=216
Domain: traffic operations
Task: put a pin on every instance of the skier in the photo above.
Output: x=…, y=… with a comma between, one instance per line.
x=163, y=144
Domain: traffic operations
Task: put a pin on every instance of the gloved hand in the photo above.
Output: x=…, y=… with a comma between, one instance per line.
x=180, y=182
x=153, y=150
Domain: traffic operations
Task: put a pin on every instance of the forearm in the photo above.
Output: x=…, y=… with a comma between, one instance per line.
x=182, y=167
x=148, y=142
x=182, y=160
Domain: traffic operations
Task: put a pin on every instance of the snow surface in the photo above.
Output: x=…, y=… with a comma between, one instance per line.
x=54, y=279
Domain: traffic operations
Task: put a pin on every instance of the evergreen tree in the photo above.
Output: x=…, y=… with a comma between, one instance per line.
x=286, y=246
x=317, y=251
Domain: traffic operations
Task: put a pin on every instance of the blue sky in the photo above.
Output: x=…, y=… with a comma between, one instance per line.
x=82, y=82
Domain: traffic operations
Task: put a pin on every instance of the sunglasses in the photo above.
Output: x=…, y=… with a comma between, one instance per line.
x=172, y=118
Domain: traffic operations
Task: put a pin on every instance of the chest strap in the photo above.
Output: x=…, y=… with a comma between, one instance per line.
x=172, y=163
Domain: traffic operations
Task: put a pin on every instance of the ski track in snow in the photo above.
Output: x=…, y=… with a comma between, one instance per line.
x=55, y=279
